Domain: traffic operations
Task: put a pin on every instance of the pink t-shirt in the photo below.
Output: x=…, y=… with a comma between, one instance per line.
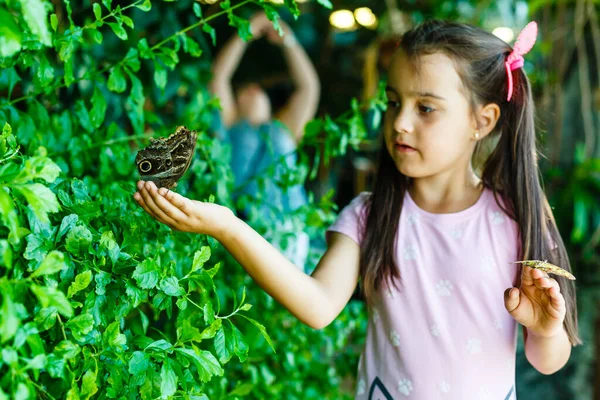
x=445, y=334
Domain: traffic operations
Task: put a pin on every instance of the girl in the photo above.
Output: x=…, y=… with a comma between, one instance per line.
x=433, y=241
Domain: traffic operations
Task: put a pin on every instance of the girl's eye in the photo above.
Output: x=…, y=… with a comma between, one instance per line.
x=393, y=104
x=425, y=109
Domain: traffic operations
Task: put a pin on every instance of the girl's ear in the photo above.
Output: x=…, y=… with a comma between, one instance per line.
x=487, y=117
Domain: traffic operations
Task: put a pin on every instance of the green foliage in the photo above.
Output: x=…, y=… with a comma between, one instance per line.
x=98, y=299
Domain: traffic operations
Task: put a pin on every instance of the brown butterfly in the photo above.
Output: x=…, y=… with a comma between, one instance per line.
x=546, y=267
x=165, y=160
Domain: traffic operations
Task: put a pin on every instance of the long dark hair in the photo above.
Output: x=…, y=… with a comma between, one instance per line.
x=510, y=170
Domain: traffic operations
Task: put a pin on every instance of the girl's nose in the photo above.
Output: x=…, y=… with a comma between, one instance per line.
x=403, y=122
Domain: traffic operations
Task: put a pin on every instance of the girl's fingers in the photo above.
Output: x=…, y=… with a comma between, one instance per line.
x=150, y=195
x=556, y=306
x=140, y=200
x=526, y=276
x=176, y=200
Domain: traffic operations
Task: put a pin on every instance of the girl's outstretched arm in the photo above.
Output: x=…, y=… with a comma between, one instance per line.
x=540, y=307
x=315, y=300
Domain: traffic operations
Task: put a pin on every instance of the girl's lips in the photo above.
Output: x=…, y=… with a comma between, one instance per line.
x=404, y=148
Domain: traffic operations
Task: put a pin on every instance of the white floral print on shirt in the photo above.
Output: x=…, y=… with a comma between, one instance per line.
x=488, y=264
x=497, y=217
x=405, y=386
x=360, y=388
x=394, y=338
x=413, y=219
x=444, y=387
x=410, y=252
x=444, y=288
x=473, y=346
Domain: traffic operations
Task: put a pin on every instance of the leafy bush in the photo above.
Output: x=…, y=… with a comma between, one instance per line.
x=98, y=299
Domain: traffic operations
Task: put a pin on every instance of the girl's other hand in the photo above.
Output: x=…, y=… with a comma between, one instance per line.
x=181, y=213
x=538, y=305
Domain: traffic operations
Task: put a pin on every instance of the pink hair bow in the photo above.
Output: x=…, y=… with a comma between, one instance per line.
x=524, y=43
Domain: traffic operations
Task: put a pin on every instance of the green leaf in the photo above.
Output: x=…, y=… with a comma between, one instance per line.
x=262, y=330
x=144, y=49
x=209, y=313
x=118, y=30
x=54, y=22
x=190, y=46
x=35, y=14
x=7, y=254
x=159, y=345
x=7, y=211
x=134, y=105
x=38, y=362
x=41, y=200
x=45, y=72
x=171, y=286
x=116, y=80
x=325, y=3
x=213, y=271
x=145, y=6
x=98, y=110
x=81, y=325
x=38, y=167
x=51, y=297
x=96, y=35
x=242, y=390
x=78, y=240
x=136, y=295
x=9, y=321
x=224, y=344
x=109, y=246
x=211, y=32
x=127, y=21
x=138, y=365
x=292, y=7
x=22, y=392
x=97, y=11
x=81, y=282
x=242, y=25
x=53, y=262
x=186, y=332
x=200, y=257
x=197, y=10
x=102, y=279
x=88, y=386
x=160, y=75
x=206, y=364
x=114, y=338
x=10, y=35
x=240, y=347
x=84, y=116
x=168, y=379
x=133, y=59
x=211, y=331
x=45, y=318
x=65, y=226
x=147, y=274
x=67, y=350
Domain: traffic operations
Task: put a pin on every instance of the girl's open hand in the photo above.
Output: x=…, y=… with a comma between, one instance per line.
x=538, y=304
x=181, y=213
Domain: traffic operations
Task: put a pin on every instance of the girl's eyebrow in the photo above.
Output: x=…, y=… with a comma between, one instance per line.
x=418, y=94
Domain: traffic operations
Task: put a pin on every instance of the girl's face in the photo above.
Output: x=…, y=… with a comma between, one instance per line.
x=254, y=104
x=429, y=125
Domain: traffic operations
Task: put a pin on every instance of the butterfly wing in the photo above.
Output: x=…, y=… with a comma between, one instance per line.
x=546, y=267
